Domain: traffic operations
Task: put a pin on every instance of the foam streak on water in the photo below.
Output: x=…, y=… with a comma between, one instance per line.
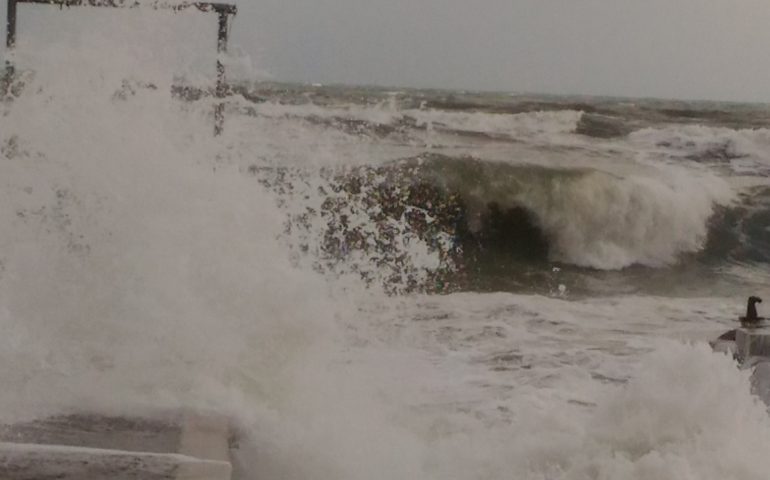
x=315, y=271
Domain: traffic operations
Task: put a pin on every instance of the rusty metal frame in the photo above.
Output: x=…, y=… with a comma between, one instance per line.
x=223, y=11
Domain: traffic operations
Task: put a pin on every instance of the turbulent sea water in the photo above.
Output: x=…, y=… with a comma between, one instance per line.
x=379, y=283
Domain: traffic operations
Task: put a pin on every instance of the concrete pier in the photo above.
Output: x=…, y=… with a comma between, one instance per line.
x=181, y=446
x=752, y=342
x=752, y=349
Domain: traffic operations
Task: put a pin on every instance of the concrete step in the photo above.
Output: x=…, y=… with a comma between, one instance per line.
x=158, y=435
x=94, y=447
x=43, y=462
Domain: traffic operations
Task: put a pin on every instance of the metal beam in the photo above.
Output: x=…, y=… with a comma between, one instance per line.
x=225, y=8
x=223, y=11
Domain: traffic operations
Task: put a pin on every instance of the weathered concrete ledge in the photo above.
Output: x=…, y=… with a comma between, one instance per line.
x=182, y=446
x=752, y=342
x=41, y=462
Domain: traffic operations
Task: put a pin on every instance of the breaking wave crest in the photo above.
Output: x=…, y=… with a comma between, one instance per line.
x=465, y=211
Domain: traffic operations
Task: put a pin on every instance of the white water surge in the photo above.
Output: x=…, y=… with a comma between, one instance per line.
x=141, y=267
x=609, y=222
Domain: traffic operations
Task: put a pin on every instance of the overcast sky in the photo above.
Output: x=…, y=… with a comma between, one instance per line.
x=712, y=49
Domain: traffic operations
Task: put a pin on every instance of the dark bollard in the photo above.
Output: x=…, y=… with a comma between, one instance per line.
x=752, y=318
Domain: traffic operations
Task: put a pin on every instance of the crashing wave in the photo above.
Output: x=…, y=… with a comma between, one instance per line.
x=466, y=212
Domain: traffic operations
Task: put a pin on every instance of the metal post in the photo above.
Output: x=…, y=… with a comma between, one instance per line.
x=10, y=40
x=221, y=90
